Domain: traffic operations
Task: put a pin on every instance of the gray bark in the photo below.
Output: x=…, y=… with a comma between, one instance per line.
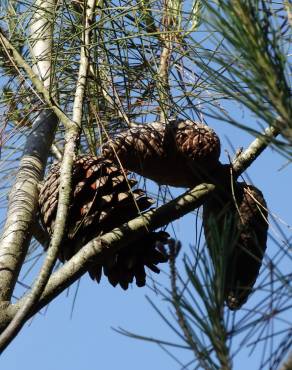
x=23, y=202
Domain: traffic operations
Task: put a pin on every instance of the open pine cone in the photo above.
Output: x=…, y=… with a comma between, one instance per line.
x=239, y=232
x=102, y=199
x=181, y=153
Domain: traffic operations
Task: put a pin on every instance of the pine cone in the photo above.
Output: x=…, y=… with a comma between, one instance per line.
x=182, y=153
x=130, y=262
x=102, y=199
x=240, y=233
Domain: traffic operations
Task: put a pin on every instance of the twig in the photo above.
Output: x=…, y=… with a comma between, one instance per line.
x=56, y=152
x=246, y=158
x=163, y=71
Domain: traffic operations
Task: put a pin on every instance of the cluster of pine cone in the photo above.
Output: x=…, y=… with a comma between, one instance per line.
x=181, y=153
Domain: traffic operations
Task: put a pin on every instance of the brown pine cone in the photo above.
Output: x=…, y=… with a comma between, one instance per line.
x=130, y=262
x=181, y=153
x=102, y=199
x=240, y=233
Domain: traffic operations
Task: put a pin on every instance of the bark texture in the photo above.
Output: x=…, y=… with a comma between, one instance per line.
x=23, y=202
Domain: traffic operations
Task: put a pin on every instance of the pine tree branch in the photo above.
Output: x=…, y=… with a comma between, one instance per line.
x=41, y=37
x=71, y=138
x=163, y=69
x=23, y=202
x=24, y=194
x=98, y=248
x=253, y=55
x=246, y=158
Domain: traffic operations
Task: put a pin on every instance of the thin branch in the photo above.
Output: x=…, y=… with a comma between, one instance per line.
x=56, y=152
x=246, y=158
x=41, y=27
x=163, y=71
x=72, y=135
x=163, y=80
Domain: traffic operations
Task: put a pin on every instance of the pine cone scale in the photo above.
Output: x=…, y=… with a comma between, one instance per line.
x=172, y=154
